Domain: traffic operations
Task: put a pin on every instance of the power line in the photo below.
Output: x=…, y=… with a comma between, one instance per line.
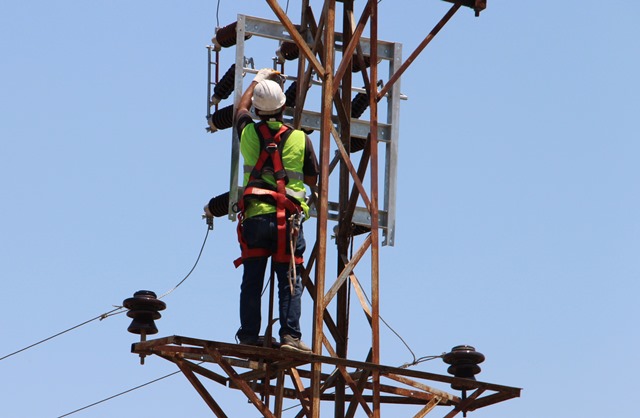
x=118, y=309
x=100, y=317
x=206, y=235
x=119, y=394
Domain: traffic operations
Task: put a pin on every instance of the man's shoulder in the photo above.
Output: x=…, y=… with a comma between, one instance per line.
x=243, y=119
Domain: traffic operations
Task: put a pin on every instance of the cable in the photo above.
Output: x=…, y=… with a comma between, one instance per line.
x=100, y=317
x=395, y=332
x=118, y=309
x=121, y=393
x=218, y=15
x=192, y=268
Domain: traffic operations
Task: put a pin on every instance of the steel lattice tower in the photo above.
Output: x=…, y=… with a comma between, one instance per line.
x=262, y=373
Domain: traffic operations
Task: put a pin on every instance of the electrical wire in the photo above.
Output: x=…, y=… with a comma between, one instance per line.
x=100, y=317
x=218, y=15
x=206, y=235
x=122, y=393
x=118, y=309
x=415, y=359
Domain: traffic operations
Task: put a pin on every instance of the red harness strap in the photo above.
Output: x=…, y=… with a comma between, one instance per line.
x=283, y=204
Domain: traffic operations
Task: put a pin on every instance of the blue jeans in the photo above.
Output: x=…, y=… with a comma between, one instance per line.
x=261, y=232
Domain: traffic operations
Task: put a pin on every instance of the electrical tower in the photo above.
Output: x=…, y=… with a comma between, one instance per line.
x=358, y=164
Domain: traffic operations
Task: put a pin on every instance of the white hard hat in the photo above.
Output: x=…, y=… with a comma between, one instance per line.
x=268, y=97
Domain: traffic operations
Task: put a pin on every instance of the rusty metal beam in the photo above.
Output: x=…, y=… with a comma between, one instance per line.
x=375, y=246
x=304, y=74
x=345, y=273
x=347, y=53
x=325, y=143
x=417, y=51
x=293, y=32
x=362, y=170
x=244, y=387
x=362, y=381
x=361, y=297
x=464, y=404
x=491, y=399
x=442, y=395
x=161, y=345
x=346, y=159
x=199, y=387
x=427, y=408
x=300, y=391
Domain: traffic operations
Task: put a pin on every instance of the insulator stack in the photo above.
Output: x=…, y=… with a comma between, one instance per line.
x=225, y=86
x=291, y=94
x=227, y=36
x=358, y=144
x=219, y=205
x=476, y=5
x=359, y=104
x=355, y=65
x=355, y=230
x=144, y=308
x=359, y=230
x=221, y=119
x=288, y=51
x=464, y=360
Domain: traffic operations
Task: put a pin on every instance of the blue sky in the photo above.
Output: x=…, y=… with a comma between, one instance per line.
x=517, y=231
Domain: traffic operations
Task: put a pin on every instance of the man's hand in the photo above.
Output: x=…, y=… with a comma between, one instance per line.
x=264, y=74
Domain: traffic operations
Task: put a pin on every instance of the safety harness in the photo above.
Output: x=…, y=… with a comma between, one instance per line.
x=287, y=208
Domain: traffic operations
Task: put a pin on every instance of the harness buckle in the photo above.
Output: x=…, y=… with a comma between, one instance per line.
x=271, y=147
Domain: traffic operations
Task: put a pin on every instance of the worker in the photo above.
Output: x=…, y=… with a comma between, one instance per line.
x=278, y=162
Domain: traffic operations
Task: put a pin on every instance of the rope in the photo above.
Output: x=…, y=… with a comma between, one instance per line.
x=294, y=229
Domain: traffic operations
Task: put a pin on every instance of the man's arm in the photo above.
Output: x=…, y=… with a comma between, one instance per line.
x=242, y=116
x=311, y=181
x=310, y=166
x=245, y=100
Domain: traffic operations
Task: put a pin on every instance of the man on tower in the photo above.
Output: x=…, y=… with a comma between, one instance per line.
x=278, y=162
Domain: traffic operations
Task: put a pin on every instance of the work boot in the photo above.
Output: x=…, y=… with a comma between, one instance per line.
x=287, y=342
x=249, y=341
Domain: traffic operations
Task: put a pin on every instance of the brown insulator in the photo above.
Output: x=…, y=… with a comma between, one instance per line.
x=225, y=86
x=476, y=5
x=359, y=230
x=221, y=119
x=291, y=94
x=227, y=36
x=359, y=104
x=355, y=65
x=144, y=308
x=358, y=144
x=219, y=205
x=464, y=360
x=288, y=51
